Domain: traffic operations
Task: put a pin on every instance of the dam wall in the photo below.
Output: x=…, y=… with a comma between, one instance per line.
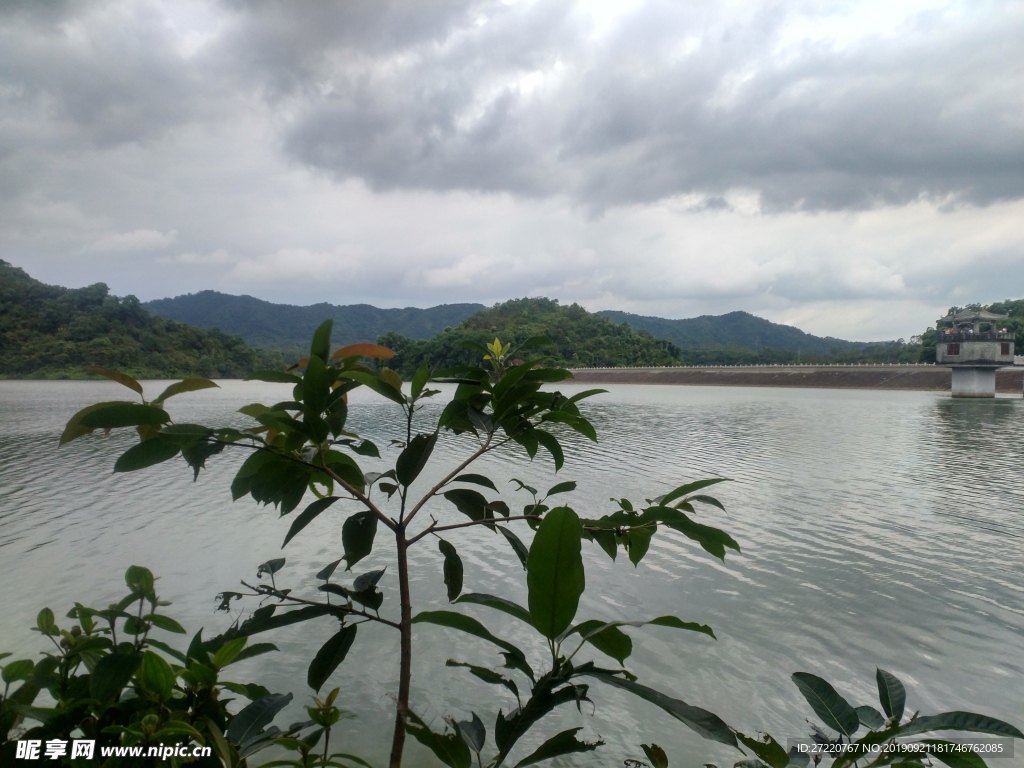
x=895, y=376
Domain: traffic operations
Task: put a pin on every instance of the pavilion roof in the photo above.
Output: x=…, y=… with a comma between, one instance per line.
x=972, y=316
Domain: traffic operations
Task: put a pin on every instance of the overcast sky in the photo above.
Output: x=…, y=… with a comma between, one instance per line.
x=852, y=169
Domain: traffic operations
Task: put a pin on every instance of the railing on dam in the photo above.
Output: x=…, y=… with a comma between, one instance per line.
x=758, y=365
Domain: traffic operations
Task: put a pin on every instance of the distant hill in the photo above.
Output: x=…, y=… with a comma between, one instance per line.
x=51, y=332
x=735, y=329
x=580, y=338
x=285, y=326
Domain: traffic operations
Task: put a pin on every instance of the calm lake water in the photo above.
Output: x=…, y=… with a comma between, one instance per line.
x=878, y=528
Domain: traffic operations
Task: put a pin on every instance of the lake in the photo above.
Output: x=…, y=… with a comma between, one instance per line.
x=877, y=528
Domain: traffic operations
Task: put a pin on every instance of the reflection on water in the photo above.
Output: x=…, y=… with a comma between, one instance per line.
x=877, y=528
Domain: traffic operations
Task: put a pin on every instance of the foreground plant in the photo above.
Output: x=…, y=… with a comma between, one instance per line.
x=110, y=684
x=302, y=445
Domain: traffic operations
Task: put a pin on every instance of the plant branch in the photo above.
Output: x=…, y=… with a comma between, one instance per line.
x=449, y=477
x=434, y=527
x=264, y=590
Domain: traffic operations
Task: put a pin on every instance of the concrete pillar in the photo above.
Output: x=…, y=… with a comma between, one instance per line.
x=974, y=382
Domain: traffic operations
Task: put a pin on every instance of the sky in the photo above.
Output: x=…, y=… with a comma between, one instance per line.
x=850, y=168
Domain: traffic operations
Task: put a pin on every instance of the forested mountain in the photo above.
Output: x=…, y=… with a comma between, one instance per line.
x=735, y=329
x=49, y=332
x=580, y=338
x=285, y=326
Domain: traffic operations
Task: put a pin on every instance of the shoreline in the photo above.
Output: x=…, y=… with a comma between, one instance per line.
x=906, y=377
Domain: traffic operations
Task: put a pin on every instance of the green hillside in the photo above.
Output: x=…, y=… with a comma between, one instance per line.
x=580, y=338
x=735, y=329
x=284, y=326
x=51, y=332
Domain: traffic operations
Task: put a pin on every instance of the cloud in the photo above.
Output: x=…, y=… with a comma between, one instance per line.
x=128, y=242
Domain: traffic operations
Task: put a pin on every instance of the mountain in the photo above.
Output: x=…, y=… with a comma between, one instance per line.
x=264, y=324
x=735, y=329
x=580, y=338
x=51, y=332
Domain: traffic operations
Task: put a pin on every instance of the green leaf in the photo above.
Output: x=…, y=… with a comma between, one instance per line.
x=274, y=377
x=707, y=724
x=155, y=676
x=608, y=639
x=655, y=754
x=465, y=624
x=891, y=694
x=165, y=623
x=497, y=603
x=377, y=384
x=124, y=415
x=309, y=514
x=489, y=676
x=17, y=670
x=469, y=502
x=516, y=543
x=146, y=454
x=452, y=569
x=554, y=572
x=74, y=428
x=248, y=723
x=111, y=674
x=419, y=380
x=185, y=385
x=564, y=743
x=228, y=652
x=960, y=721
x=773, y=753
x=569, y=485
x=449, y=748
x=120, y=378
x=414, y=458
x=688, y=488
x=473, y=732
x=330, y=655
x=469, y=477
x=870, y=717
x=321, y=346
x=835, y=711
x=357, y=535
x=45, y=622
x=550, y=442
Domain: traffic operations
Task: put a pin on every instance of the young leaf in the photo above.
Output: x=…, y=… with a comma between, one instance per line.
x=569, y=485
x=554, y=572
x=321, y=345
x=330, y=655
x=363, y=350
x=688, y=488
x=155, y=676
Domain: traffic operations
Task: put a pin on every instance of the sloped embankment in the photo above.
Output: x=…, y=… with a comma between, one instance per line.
x=826, y=377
